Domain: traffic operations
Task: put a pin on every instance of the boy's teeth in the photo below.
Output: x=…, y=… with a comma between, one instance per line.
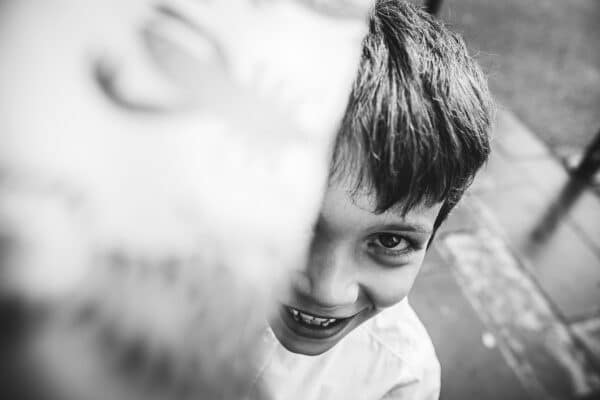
x=310, y=319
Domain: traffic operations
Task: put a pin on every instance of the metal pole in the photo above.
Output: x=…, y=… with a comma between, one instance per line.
x=433, y=6
x=590, y=163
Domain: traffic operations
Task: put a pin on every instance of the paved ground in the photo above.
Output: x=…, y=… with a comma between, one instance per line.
x=510, y=291
x=543, y=61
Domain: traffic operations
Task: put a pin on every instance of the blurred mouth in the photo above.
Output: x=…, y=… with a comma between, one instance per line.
x=312, y=326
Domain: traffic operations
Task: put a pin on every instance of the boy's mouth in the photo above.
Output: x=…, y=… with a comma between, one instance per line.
x=310, y=325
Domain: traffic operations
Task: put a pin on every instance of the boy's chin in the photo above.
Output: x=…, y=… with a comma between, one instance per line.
x=306, y=349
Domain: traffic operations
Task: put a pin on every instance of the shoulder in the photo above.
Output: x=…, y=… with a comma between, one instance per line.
x=399, y=332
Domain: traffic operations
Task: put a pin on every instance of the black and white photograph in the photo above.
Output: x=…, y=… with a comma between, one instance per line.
x=299, y=199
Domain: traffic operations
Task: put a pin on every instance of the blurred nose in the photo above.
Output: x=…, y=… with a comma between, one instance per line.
x=331, y=276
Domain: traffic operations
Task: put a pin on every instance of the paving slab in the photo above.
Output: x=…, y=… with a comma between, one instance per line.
x=588, y=332
x=514, y=140
x=574, y=199
x=498, y=173
x=551, y=221
x=433, y=263
x=557, y=254
x=471, y=369
x=539, y=346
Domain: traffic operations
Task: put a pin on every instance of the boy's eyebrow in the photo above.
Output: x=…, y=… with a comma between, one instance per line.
x=407, y=226
x=320, y=225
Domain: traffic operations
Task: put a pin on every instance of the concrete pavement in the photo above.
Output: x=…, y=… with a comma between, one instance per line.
x=510, y=290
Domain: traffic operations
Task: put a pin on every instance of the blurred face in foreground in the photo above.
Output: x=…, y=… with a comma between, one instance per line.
x=360, y=263
x=164, y=161
x=178, y=111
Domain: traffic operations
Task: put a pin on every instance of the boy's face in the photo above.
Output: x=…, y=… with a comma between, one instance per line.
x=360, y=263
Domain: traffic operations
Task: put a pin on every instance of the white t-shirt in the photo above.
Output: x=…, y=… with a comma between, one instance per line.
x=388, y=357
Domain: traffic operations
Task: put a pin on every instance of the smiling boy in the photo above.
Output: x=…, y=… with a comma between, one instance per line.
x=414, y=135
x=125, y=173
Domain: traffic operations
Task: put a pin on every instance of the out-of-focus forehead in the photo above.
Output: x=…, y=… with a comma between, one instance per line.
x=301, y=45
x=339, y=8
x=333, y=8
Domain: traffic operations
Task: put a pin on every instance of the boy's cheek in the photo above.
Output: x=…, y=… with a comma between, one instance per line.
x=393, y=286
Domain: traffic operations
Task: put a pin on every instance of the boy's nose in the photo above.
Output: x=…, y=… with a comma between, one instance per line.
x=330, y=279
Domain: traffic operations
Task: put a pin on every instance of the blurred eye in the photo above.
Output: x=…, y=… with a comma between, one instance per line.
x=137, y=95
x=173, y=61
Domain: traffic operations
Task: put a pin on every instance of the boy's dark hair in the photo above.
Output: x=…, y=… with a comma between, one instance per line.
x=416, y=126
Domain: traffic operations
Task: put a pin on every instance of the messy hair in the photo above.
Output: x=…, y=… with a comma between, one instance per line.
x=416, y=126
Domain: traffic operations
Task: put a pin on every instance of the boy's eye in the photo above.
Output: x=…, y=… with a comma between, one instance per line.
x=390, y=247
x=389, y=244
x=387, y=247
x=389, y=240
